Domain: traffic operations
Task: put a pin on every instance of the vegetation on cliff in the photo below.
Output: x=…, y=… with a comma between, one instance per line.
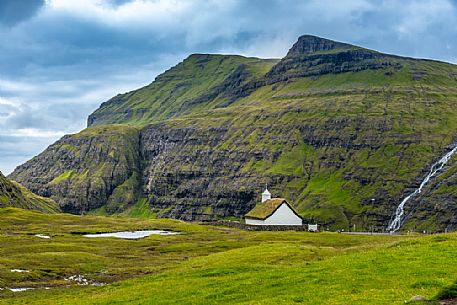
x=13, y=194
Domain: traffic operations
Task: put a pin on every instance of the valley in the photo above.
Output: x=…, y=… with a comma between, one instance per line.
x=175, y=152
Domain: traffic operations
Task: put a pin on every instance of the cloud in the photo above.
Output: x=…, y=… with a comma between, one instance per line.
x=13, y=12
x=15, y=149
x=65, y=57
x=421, y=15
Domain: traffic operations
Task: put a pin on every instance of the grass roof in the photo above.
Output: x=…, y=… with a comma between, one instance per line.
x=265, y=209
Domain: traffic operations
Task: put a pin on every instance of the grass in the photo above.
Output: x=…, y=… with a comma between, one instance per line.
x=64, y=176
x=141, y=210
x=265, y=209
x=172, y=92
x=214, y=265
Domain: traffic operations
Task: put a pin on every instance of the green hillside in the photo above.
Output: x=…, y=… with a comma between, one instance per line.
x=12, y=194
x=342, y=132
x=191, y=86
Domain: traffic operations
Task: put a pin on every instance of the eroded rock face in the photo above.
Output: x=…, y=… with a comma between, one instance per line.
x=435, y=208
x=191, y=171
x=351, y=60
x=186, y=175
x=196, y=172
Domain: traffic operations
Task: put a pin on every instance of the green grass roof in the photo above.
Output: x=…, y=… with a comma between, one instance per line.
x=265, y=209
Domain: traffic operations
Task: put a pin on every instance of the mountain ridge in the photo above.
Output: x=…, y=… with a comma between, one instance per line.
x=343, y=132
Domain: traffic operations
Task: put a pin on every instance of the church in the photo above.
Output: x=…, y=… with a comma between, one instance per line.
x=273, y=211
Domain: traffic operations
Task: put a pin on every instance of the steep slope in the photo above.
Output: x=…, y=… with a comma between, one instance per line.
x=96, y=167
x=12, y=194
x=341, y=131
x=188, y=87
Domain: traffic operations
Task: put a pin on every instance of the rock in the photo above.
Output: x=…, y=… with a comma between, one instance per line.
x=417, y=298
x=309, y=44
x=97, y=167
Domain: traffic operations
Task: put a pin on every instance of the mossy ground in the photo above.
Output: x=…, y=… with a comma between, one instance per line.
x=214, y=265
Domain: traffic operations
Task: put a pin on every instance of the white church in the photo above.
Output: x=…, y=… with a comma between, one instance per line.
x=273, y=211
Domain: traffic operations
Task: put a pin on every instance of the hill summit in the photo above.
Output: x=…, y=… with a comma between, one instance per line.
x=341, y=131
x=307, y=44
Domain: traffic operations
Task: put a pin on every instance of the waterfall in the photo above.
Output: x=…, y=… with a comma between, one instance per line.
x=436, y=167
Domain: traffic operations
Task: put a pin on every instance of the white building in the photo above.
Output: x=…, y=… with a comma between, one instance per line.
x=276, y=211
x=266, y=194
x=313, y=228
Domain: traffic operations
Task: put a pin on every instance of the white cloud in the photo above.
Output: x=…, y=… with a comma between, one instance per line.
x=7, y=85
x=417, y=16
x=6, y=102
x=134, y=13
x=31, y=133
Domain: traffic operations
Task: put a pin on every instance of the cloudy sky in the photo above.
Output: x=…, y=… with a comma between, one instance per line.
x=59, y=59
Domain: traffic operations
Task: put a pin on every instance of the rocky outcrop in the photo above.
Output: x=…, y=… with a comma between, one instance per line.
x=307, y=44
x=332, y=63
x=435, y=208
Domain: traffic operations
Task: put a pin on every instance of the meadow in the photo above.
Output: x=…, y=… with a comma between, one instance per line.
x=214, y=265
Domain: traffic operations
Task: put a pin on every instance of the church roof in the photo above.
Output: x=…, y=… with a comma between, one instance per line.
x=265, y=209
x=266, y=192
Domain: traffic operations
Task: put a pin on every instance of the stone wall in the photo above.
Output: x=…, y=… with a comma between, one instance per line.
x=239, y=225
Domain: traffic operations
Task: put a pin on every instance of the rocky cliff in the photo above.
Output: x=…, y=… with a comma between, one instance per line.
x=341, y=131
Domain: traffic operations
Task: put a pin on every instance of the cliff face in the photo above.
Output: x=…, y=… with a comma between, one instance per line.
x=308, y=44
x=186, y=173
x=12, y=194
x=342, y=132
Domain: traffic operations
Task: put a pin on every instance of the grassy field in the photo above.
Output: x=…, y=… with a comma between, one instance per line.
x=214, y=265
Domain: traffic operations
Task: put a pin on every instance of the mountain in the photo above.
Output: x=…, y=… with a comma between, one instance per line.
x=343, y=132
x=12, y=194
